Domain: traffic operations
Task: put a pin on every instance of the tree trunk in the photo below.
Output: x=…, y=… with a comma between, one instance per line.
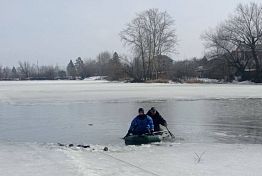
x=143, y=63
x=254, y=54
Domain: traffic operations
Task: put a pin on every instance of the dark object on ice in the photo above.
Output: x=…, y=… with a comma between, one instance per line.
x=105, y=148
x=84, y=146
x=147, y=138
x=90, y=124
x=61, y=145
x=157, y=119
x=72, y=145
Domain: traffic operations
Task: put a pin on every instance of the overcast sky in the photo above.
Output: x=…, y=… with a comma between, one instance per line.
x=54, y=31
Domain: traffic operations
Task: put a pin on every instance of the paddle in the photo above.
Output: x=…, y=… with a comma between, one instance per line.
x=173, y=136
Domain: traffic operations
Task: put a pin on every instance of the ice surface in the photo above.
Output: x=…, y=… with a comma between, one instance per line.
x=23, y=99
x=61, y=111
x=31, y=92
x=25, y=159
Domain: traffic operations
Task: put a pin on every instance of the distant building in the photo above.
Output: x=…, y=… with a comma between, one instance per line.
x=163, y=66
x=245, y=54
x=215, y=68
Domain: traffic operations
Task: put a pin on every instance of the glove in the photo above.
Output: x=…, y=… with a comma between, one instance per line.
x=165, y=124
x=151, y=132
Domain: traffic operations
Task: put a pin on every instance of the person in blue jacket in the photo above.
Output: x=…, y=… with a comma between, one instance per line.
x=141, y=124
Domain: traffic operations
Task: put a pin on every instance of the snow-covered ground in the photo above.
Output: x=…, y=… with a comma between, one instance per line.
x=167, y=159
x=96, y=79
x=23, y=159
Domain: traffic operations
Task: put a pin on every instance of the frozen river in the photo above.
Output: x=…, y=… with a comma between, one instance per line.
x=218, y=129
x=100, y=112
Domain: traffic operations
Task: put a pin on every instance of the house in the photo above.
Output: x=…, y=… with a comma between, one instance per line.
x=162, y=66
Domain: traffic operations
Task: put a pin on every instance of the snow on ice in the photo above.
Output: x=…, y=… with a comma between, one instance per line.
x=30, y=92
x=29, y=159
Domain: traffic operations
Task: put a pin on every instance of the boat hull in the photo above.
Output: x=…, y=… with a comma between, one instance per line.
x=146, y=139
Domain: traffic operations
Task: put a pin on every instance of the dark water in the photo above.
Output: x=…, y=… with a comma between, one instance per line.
x=196, y=121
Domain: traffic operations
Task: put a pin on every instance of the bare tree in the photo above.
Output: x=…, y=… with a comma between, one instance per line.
x=241, y=32
x=47, y=72
x=7, y=73
x=220, y=47
x=150, y=34
x=1, y=72
x=91, y=68
x=24, y=69
x=103, y=59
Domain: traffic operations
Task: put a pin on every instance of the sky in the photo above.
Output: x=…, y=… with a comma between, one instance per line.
x=54, y=31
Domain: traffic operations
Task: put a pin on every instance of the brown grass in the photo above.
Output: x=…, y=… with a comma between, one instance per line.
x=194, y=81
x=157, y=81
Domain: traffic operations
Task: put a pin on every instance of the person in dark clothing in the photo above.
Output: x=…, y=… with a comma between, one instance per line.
x=141, y=124
x=157, y=119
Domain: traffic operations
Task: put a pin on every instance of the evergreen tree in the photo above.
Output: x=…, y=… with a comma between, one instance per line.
x=115, y=71
x=80, y=68
x=116, y=59
x=71, y=70
x=14, y=73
